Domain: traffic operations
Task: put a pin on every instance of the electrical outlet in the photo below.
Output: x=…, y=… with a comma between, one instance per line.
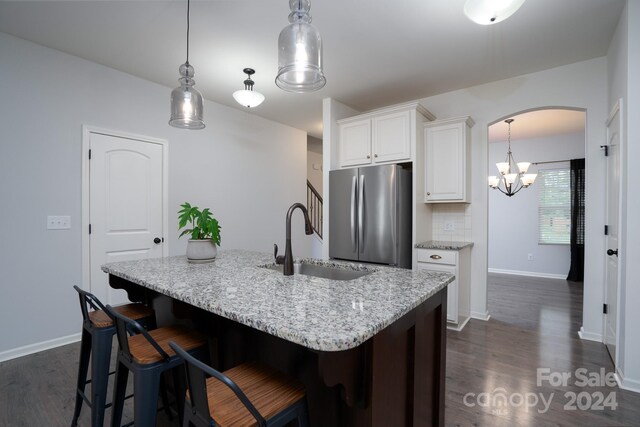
x=449, y=226
x=530, y=257
x=58, y=222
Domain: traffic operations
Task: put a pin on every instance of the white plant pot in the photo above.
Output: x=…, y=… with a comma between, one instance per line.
x=201, y=251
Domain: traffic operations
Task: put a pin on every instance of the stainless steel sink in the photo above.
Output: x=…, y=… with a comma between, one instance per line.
x=322, y=271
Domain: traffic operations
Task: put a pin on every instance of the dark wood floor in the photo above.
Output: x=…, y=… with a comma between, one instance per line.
x=534, y=324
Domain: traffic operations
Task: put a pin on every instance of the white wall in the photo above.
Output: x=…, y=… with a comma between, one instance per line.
x=513, y=221
x=332, y=111
x=579, y=85
x=247, y=169
x=623, y=70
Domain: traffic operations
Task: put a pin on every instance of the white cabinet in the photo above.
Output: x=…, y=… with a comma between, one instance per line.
x=447, y=160
x=391, y=138
x=456, y=262
x=356, y=147
x=383, y=136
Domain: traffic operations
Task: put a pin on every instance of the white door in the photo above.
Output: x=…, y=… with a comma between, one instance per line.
x=125, y=206
x=613, y=200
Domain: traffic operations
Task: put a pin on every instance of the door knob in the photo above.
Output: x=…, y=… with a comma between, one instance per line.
x=157, y=240
x=611, y=252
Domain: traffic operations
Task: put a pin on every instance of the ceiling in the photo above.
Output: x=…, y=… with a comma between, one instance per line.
x=539, y=124
x=376, y=52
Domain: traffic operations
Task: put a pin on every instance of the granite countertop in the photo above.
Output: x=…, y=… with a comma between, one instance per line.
x=443, y=245
x=321, y=314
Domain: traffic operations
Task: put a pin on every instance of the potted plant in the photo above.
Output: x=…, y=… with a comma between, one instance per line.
x=205, y=233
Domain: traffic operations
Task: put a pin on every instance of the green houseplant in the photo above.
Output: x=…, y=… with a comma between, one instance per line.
x=204, y=232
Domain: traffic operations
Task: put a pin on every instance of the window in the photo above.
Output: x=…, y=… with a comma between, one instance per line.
x=554, y=207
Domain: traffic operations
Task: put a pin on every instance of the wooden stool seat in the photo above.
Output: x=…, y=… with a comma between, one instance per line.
x=144, y=353
x=244, y=396
x=100, y=319
x=269, y=390
x=147, y=356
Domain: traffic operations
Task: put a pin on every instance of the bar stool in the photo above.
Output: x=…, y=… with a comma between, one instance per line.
x=97, y=339
x=246, y=395
x=147, y=355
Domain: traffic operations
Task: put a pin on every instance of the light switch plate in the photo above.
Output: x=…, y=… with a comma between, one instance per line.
x=58, y=222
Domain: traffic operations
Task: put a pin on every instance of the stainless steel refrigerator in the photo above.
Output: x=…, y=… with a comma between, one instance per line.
x=370, y=215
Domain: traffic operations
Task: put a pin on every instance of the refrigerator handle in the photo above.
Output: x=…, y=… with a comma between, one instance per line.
x=354, y=181
x=361, y=213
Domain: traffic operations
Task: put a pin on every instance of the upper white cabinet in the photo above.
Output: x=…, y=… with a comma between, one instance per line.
x=447, y=159
x=356, y=149
x=391, y=139
x=387, y=135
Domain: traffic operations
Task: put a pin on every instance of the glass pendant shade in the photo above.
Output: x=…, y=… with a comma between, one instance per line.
x=248, y=98
x=488, y=12
x=510, y=178
x=503, y=167
x=300, y=52
x=494, y=181
x=523, y=167
x=186, y=102
x=527, y=179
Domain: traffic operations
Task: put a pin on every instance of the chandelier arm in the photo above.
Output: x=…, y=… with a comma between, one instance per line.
x=498, y=188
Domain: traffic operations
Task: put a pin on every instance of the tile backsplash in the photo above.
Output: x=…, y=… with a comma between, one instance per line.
x=450, y=222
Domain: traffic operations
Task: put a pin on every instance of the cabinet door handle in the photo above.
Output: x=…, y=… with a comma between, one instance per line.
x=375, y=155
x=368, y=156
x=435, y=257
x=428, y=193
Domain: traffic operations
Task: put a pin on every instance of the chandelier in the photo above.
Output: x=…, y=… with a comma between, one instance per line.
x=510, y=182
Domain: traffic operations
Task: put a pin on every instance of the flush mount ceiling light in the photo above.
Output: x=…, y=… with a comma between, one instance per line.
x=488, y=12
x=248, y=97
x=186, y=101
x=300, y=52
x=508, y=178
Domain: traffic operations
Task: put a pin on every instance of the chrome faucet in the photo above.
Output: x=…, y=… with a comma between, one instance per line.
x=287, y=259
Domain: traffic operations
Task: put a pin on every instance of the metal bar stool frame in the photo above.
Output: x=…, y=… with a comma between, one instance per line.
x=196, y=409
x=146, y=377
x=95, y=345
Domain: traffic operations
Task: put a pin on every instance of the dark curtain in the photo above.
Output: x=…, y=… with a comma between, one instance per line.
x=576, y=272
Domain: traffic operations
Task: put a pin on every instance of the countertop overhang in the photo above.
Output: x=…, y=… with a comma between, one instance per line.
x=321, y=314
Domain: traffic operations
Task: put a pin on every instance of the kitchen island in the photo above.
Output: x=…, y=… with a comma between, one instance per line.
x=370, y=350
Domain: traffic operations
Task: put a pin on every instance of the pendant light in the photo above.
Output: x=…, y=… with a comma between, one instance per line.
x=248, y=97
x=508, y=178
x=488, y=12
x=300, y=52
x=186, y=101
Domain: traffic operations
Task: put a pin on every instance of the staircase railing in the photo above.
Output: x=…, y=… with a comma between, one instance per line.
x=314, y=208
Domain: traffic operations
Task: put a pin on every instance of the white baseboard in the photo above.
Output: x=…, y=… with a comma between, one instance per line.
x=480, y=316
x=528, y=273
x=458, y=326
x=627, y=383
x=589, y=336
x=37, y=347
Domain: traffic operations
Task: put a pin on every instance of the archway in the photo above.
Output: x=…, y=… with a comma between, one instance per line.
x=529, y=252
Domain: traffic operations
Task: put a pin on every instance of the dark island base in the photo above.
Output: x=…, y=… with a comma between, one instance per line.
x=396, y=378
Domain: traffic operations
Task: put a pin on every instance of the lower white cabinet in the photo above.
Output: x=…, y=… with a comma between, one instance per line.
x=456, y=262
